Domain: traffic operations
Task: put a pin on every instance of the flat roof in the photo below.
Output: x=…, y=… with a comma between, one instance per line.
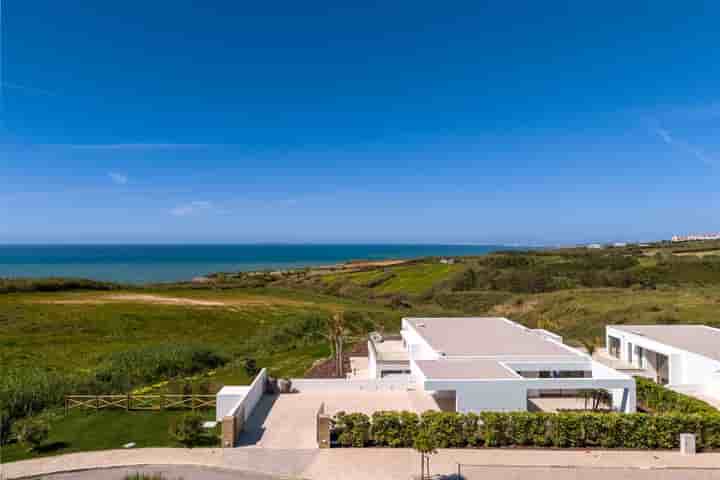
x=485, y=336
x=699, y=339
x=471, y=369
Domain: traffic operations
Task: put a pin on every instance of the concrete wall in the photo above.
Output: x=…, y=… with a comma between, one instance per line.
x=491, y=396
x=231, y=398
x=342, y=384
x=511, y=394
x=418, y=348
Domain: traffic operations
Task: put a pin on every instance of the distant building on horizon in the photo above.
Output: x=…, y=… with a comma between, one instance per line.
x=695, y=237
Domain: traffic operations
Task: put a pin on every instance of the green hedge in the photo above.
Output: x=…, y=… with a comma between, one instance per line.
x=561, y=430
x=659, y=399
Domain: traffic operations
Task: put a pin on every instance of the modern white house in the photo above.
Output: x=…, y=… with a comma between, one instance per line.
x=684, y=357
x=491, y=364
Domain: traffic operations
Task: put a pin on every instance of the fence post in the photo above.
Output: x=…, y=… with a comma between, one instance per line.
x=66, y=405
x=127, y=402
x=97, y=402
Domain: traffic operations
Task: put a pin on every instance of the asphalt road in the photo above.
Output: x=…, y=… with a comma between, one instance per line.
x=468, y=473
x=169, y=472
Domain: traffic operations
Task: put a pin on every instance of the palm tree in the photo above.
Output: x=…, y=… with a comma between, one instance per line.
x=336, y=336
x=591, y=344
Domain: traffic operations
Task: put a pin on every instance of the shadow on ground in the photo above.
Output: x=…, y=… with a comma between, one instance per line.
x=255, y=426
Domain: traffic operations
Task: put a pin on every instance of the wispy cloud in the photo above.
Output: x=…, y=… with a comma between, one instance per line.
x=135, y=146
x=192, y=208
x=699, y=154
x=28, y=89
x=118, y=178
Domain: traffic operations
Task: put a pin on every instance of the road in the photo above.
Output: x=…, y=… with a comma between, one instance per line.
x=169, y=472
x=176, y=472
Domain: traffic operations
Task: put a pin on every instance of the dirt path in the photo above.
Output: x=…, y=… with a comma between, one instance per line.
x=179, y=301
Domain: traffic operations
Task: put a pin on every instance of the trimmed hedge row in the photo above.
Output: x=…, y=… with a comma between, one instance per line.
x=659, y=399
x=493, y=429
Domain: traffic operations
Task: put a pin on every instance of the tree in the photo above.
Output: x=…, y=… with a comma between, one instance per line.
x=336, y=335
x=251, y=367
x=31, y=432
x=425, y=444
x=590, y=344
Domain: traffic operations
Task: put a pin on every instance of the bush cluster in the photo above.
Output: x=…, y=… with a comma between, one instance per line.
x=495, y=429
x=28, y=391
x=658, y=399
x=122, y=371
x=14, y=285
x=25, y=392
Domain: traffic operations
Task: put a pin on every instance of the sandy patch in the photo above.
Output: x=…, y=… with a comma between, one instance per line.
x=514, y=308
x=704, y=253
x=163, y=300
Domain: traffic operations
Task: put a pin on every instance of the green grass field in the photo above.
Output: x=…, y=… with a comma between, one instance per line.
x=413, y=279
x=72, y=331
x=82, y=431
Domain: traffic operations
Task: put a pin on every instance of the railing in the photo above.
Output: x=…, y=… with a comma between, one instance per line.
x=139, y=402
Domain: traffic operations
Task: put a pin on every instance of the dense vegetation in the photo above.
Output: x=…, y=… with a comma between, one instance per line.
x=561, y=430
x=658, y=399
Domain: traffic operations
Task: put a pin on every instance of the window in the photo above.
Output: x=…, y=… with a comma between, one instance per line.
x=614, y=346
x=640, y=356
x=630, y=353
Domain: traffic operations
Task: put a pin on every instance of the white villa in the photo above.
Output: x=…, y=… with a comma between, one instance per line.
x=477, y=364
x=686, y=358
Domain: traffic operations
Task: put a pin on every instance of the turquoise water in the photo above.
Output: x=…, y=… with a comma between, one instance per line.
x=166, y=263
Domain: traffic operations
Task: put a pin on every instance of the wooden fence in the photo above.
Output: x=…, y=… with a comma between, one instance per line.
x=139, y=402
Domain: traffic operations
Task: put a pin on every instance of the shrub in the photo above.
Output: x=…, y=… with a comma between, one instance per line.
x=659, y=399
x=394, y=429
x=500, y=429
x=188, y=429
x=353, y=429
x=31, y=432
x=446, y=427
x=28, y=391
x=251, y=368
x=122, y=371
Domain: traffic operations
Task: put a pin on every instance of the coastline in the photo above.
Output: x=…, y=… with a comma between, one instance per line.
x=147, y=264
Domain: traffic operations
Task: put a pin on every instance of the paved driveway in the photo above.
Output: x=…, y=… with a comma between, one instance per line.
x=288, y=421
x=282, y=421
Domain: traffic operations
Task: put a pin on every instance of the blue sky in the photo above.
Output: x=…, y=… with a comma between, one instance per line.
x=423, y=122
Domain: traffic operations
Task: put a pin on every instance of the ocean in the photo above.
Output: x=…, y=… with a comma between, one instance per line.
x=168, y=263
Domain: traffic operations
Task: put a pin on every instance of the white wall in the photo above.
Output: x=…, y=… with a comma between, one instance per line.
x=497, y=397
x=257, y=388
x=693, y=369
x=372, y=361
x=342, y=384
x=484, y=396
x=229, y=400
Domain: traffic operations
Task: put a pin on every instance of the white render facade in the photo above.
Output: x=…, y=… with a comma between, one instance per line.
x=680, y=356
x=494, y=364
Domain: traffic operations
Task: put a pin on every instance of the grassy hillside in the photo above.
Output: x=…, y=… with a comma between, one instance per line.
x=72, y=331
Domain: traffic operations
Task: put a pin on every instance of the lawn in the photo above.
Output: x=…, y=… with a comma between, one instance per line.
x=87, y=430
